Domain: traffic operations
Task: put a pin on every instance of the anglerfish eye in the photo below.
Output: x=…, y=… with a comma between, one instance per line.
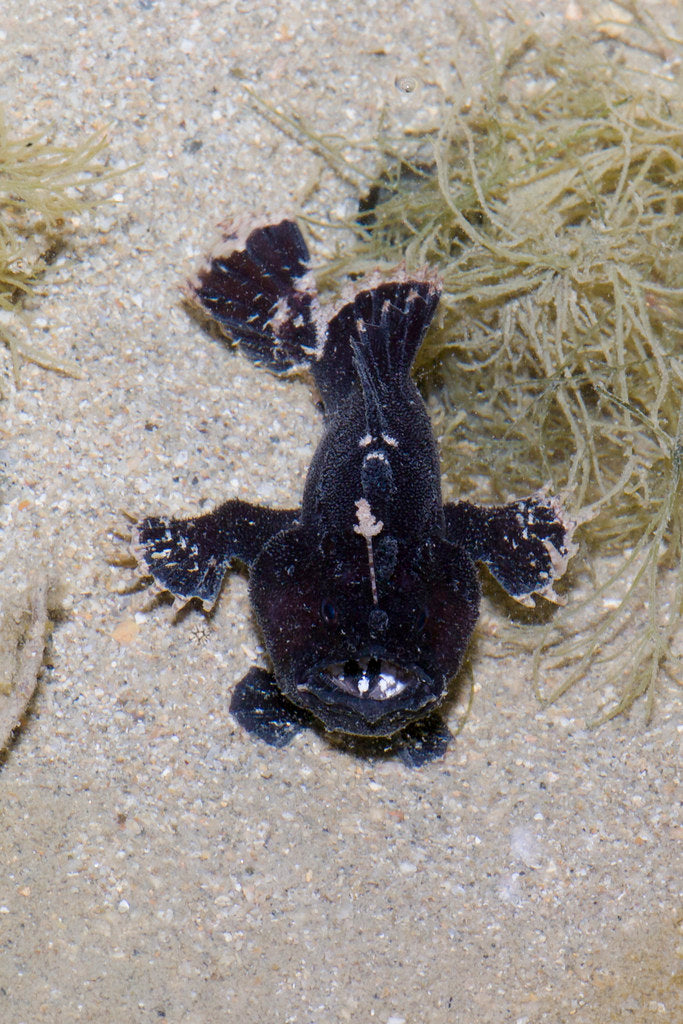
x=328, y=611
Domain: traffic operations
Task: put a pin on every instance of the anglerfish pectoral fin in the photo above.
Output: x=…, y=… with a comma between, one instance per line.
x=190, y=557
x=526, y=544
x=263, y=710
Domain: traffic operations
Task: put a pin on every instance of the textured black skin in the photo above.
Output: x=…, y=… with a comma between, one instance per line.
x=372, y=565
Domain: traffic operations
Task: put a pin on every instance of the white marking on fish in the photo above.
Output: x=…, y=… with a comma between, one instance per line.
x=368, y=527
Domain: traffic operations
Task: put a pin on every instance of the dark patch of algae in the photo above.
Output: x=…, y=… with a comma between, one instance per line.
x=553, y=209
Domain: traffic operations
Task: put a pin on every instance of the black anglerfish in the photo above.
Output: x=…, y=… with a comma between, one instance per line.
x=367, y=594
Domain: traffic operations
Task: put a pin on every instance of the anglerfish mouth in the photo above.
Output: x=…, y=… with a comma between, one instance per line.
x=367, y=695
x=370, y=678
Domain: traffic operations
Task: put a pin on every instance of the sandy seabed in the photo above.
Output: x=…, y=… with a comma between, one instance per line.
x=156, y=863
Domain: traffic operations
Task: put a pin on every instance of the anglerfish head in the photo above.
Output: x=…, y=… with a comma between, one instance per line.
x=367, y=644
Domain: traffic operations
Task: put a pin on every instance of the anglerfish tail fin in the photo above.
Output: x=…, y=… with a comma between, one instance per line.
x=375, y=335
x=258, y=287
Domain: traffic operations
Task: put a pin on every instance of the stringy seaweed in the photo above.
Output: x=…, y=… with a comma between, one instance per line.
x=553, y=209
x=41, y=183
